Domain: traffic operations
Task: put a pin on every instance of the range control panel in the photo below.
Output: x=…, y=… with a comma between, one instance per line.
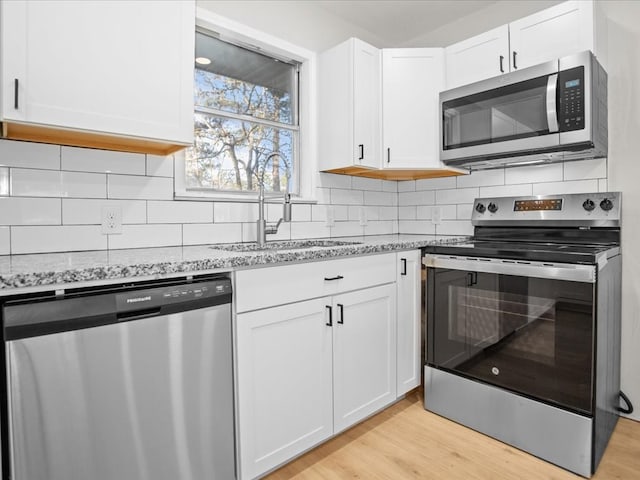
x=576, y=209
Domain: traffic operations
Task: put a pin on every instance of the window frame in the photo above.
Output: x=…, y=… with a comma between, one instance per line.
x=247, y=37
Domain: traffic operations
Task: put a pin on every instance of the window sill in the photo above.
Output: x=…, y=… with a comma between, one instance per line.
x=239, y=198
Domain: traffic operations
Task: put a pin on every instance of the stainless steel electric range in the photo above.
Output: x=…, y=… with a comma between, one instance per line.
x=523, y=325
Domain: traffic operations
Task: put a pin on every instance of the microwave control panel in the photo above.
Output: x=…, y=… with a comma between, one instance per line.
x=571, y=99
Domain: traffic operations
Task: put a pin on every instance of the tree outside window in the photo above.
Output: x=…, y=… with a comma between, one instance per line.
x=246, y=126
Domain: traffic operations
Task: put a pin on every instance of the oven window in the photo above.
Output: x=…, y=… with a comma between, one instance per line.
x=532, y=336
x=506, y=113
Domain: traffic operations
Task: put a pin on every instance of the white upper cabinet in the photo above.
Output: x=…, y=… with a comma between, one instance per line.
x=349, y=106
x=411, y=81
x=483, y=56
x=116, y=75
x=552, y=33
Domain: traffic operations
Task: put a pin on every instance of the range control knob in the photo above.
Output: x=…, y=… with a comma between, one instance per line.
x=606, y=204
x=480, y=208
x=493, y=208
x=588, y=205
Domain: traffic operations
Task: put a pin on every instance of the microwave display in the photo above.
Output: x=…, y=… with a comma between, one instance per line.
x=571, y=99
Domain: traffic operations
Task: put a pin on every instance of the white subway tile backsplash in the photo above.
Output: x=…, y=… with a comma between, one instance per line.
x=436, y=183
x=552, y=188
x=331, y=180
x=523, y=189
x=388, y=213
x=138, y=236
x=138, y=187
x=84, y=211
x=40, y=239
x=455, y=227
x=203, y=234
x=407, y=212
x=50, y=183
x=407, y=186
x=228, y=212
x=389, y=186
x=300, y=212
x=481, y=178
x=4, y=181
x=417, y=198
x=29, y=155
x=463, y=212
x=425, y=212
x=30, y=211
x=102, y=161
x=158, y=166
x=179, y=212
x=5, y=241
x=362, y=183
x=458, y=195
x=380, y=198
x=346, y=197
x=585, y=169
x=420, y=227
x=323, y=196
x=300, y=230
x=379, y=228
x=534, y=174
x=347, y=229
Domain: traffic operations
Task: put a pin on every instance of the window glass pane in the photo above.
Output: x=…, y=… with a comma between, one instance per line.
x=230, y=154
x=244, y=82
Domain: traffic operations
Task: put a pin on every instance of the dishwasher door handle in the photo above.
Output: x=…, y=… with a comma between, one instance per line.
x=138, y=314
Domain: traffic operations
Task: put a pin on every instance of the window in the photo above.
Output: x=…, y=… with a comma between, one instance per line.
x=246, y=120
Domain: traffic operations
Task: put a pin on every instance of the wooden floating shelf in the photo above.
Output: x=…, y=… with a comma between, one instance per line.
x=397, y=174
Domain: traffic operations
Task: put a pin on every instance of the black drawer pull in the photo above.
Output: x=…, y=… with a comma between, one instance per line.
x=404, y=266
x=341, y=309
x=331, y=279
x=330, y=322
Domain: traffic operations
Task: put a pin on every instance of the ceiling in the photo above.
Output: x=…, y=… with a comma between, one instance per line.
x=397, y=21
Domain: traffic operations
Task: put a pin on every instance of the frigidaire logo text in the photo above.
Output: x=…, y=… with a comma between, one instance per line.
x=138, y=299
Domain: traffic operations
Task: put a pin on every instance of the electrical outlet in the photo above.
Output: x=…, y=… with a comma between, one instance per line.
x=363, y=217
x=330, y=219
x=436, y=215
x=111, y=220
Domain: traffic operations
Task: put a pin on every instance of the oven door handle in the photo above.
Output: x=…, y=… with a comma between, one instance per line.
x=553, y=271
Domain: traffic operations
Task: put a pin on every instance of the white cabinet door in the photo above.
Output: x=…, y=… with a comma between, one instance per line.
x=284, y=383
x=349, y=107
x=411, y=81
x=364, y=353
x=483, y=56
x=555, y=32
x=366, y=91
x=409, y=352
x=120, y=68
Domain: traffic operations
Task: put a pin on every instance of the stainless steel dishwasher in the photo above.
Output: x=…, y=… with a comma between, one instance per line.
x=127, y=383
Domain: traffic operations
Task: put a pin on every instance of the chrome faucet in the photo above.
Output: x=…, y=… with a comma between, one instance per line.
x=264, y=228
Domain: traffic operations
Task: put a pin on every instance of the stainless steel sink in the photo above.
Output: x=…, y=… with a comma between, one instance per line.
x=284, y=245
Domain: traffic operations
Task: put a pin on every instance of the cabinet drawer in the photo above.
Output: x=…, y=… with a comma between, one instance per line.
x=266, y=287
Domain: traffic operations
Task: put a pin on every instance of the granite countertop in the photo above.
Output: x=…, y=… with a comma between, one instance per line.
x=48, y=271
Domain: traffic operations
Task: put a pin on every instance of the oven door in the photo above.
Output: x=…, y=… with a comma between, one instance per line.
x=528, y=328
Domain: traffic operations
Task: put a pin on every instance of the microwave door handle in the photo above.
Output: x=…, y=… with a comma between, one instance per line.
x=552, y=112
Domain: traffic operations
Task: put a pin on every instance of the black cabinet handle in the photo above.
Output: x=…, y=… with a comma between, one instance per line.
x=330, y=322
x=15, y=93
x=341, y=310
x=501, y=61
x=404, y=266
x=361, y=147
x=331, y=279
x=514, y=60
x=388, y=155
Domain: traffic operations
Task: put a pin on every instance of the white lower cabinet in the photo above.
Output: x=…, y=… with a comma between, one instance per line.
x=409, y=327
x=309, y=369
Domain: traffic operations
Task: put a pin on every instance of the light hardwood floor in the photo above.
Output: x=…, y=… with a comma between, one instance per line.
x=407, y=442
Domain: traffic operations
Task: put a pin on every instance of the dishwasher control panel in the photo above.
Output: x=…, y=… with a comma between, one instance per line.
x=169, y=295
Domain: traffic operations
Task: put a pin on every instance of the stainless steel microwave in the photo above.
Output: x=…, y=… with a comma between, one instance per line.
x=554, y=111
